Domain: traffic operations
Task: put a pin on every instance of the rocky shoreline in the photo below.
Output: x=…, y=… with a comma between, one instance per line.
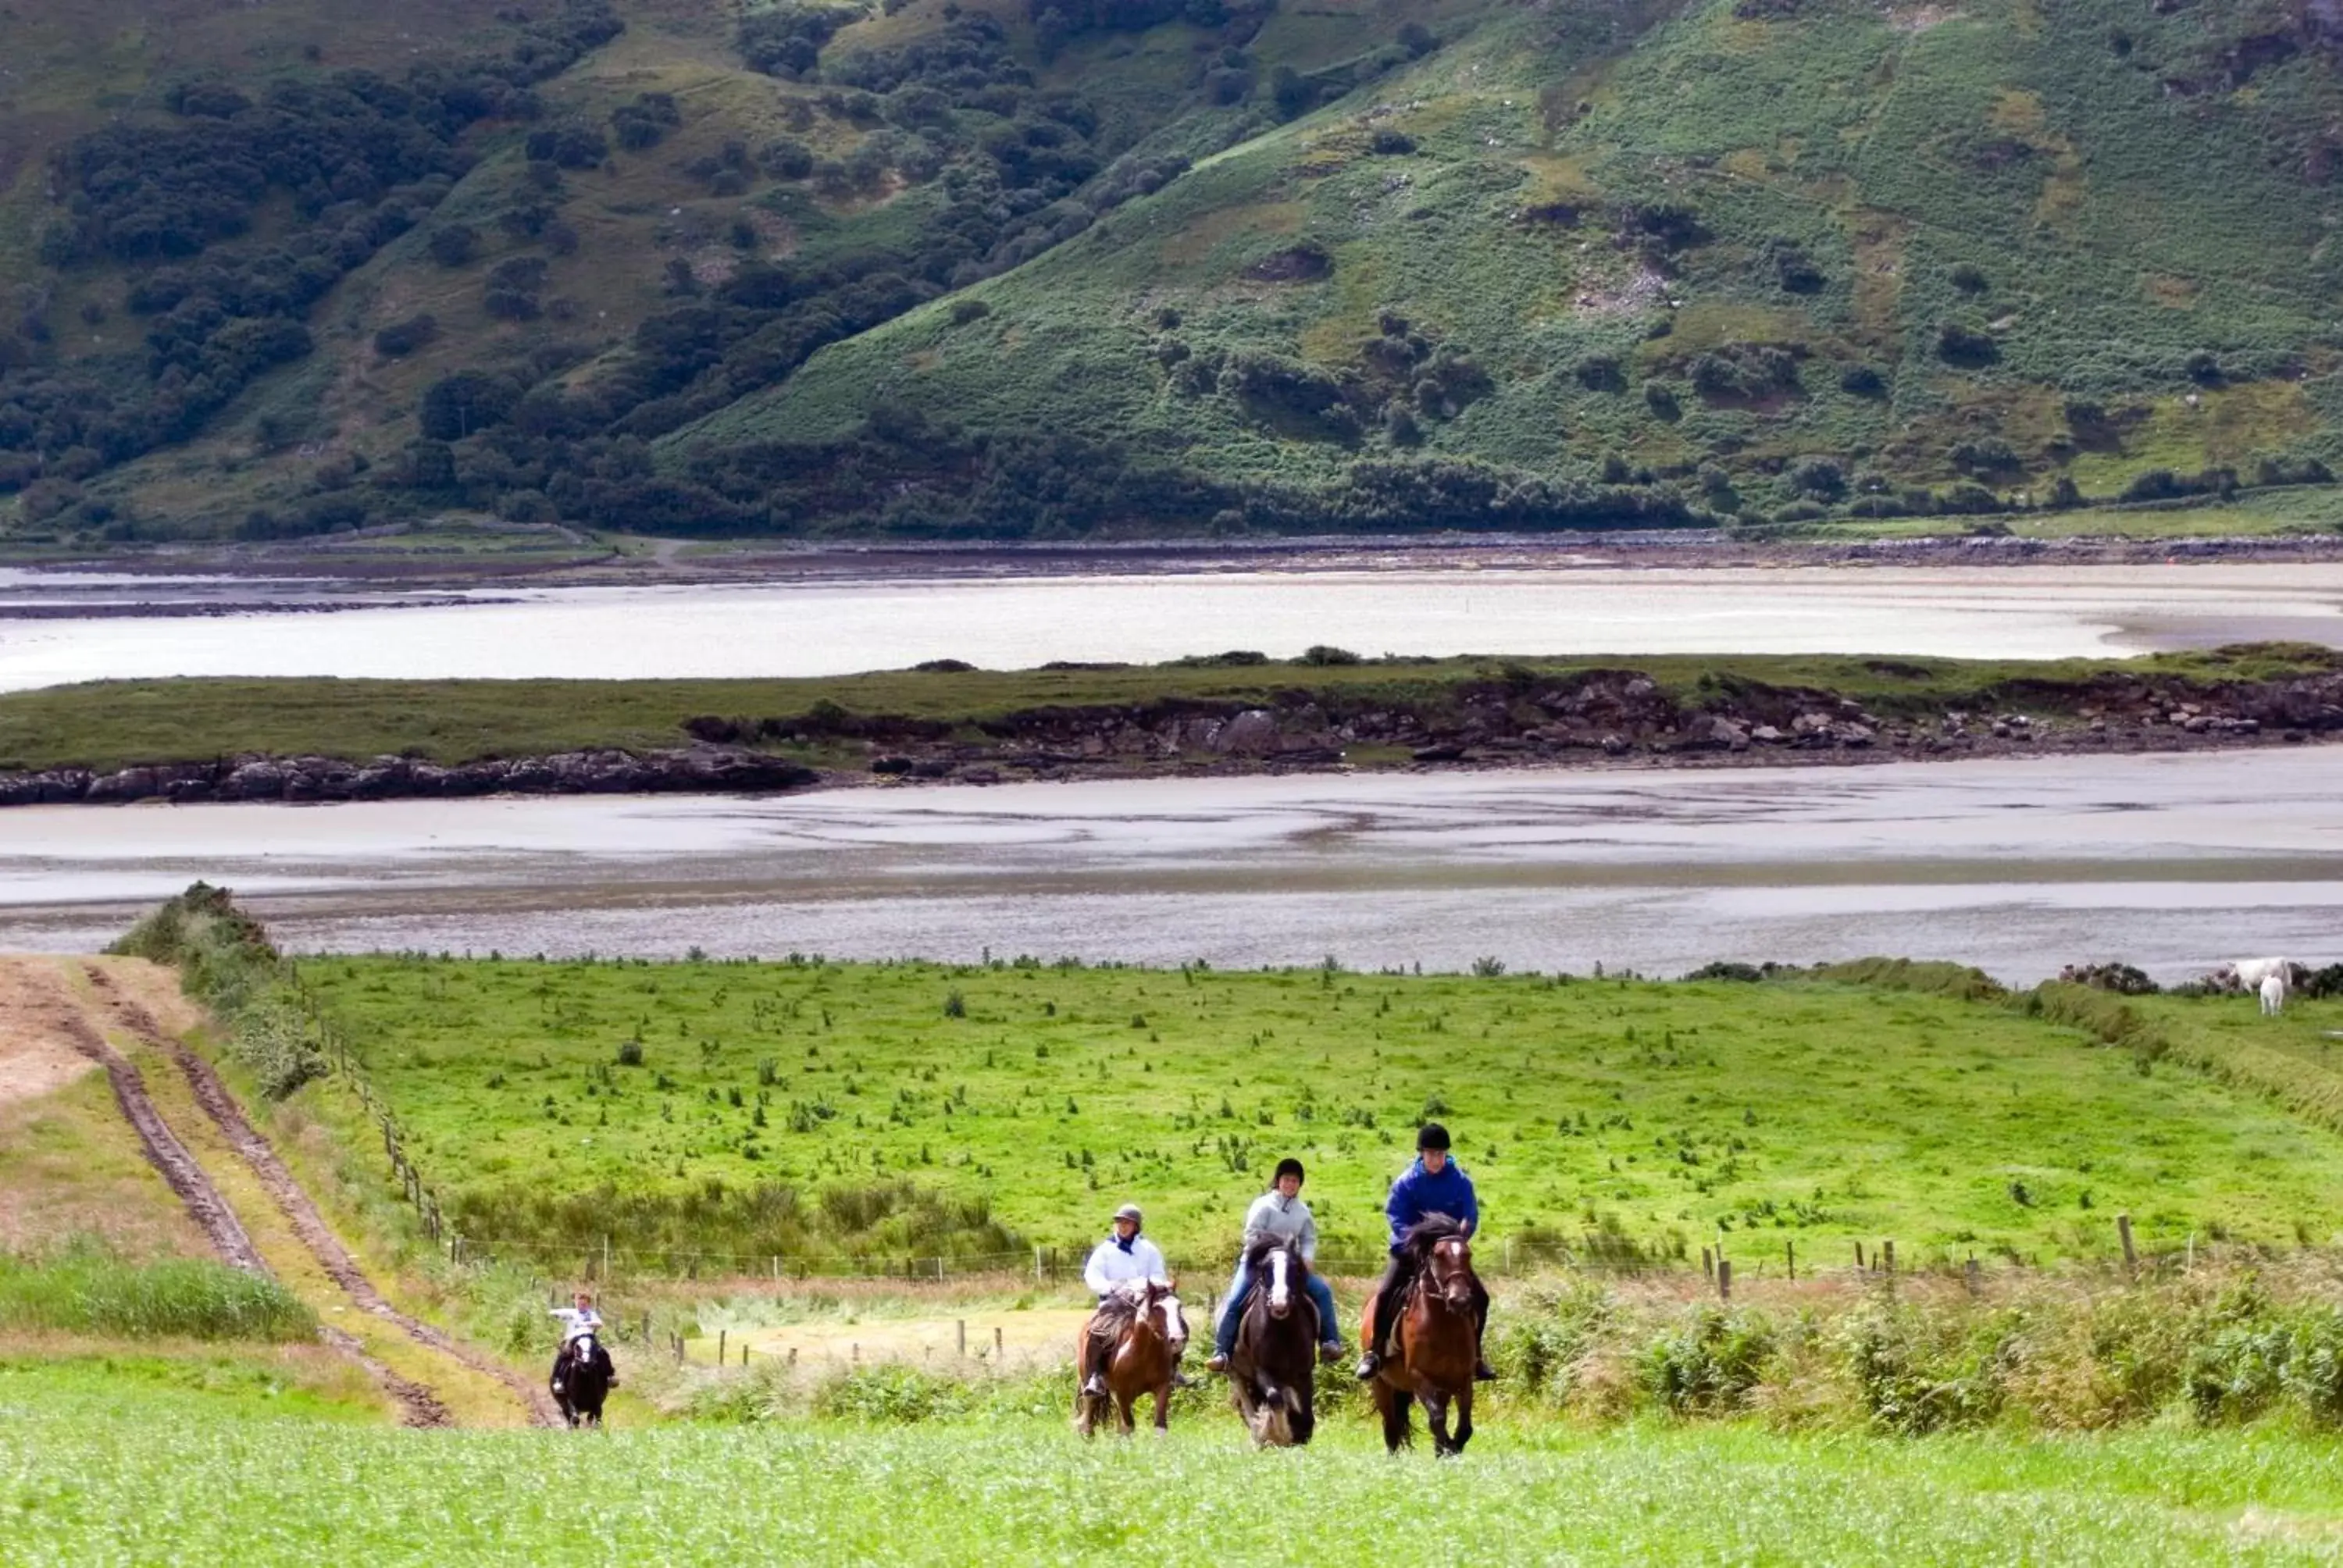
x=697, y=769
x=1616, y=718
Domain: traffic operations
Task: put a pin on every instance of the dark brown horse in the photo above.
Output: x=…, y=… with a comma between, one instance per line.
x=1435, y=1346
x=1274, y=1369
x=582, y=1380
x=1142, y=1361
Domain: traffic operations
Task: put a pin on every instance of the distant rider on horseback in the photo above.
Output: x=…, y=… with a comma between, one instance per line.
x=1281, y=1214
x=1435, y=1184
x=580, y=1319
x=1120, y=1270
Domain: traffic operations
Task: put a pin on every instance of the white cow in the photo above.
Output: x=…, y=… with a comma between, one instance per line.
x=2273, y=994
x=2252, y=972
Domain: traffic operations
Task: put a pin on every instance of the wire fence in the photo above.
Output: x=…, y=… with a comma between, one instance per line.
x=1750, y=1259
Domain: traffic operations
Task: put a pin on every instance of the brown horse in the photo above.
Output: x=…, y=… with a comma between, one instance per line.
x=1142, y=1361
x=1274, y=1369
x=1435, y=1346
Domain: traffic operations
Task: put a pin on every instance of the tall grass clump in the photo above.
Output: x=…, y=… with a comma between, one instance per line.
x=226, y=961
x=2235, y=1341
x=84, y=1289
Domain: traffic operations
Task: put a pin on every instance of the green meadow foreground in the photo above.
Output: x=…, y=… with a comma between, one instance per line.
x=89, y=1475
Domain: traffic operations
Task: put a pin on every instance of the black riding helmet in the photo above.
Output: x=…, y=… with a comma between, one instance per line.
x=1289, y=1166
x=1431, y=1136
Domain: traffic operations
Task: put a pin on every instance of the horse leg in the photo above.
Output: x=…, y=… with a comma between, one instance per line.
x=1163, y=1409
x=1122, y=1421
x=1463, y=1419
x=1435, y=1413
x=1393, y=1404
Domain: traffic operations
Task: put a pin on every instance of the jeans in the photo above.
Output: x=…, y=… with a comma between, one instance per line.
x=1224, y=1335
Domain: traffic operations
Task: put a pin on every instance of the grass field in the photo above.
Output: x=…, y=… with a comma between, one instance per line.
x=557, y=1102
x=95, y=1469
x=121, y=723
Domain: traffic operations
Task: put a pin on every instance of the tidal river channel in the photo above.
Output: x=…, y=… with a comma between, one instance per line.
x=57, y=629
x=2171, y=862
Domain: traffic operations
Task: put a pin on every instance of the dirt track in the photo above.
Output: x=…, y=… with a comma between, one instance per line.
x=298, y=1209
x=48, y=1015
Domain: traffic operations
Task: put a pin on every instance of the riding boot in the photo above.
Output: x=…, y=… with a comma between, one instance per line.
x=1389, y=1293
x=1481, y=1370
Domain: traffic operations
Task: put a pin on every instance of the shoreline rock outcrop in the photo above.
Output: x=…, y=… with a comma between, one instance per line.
x=252, y=776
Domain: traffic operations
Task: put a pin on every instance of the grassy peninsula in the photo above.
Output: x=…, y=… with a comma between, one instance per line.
x=823, y=721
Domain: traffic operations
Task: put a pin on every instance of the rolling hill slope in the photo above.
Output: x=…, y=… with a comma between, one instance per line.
x=1119, y=265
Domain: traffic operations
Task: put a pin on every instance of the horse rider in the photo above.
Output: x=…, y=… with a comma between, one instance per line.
x=1120, y=1270
x=1278, y=1212
x=576, y=1320
x=1435, y=1184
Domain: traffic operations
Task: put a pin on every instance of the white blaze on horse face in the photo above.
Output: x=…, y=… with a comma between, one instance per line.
x=1279, y=1294
x=1175, y=1327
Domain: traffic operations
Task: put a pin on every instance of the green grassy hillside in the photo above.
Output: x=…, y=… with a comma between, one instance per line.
x=1054, y=269
x=905, y=1109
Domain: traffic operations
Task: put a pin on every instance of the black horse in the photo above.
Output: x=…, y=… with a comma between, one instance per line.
x=582, y=1378
x=1273, y=1368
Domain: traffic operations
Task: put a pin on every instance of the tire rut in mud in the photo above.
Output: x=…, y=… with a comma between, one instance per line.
x=179, y=1168
x=294, y=1202
x=183, y=1174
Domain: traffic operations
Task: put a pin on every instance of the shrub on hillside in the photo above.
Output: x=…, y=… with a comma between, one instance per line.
x=404, y=338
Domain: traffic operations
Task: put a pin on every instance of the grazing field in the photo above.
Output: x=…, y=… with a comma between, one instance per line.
x=912, y=1108
x=108, y=1472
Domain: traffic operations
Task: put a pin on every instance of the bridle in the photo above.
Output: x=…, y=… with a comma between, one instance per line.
x=1452, y=1285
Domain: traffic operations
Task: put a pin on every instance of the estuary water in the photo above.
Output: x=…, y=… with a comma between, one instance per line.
x=2175, y=863
x=837, y=626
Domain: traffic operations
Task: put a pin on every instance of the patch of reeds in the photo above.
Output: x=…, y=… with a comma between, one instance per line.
x=2218, y=1344
x=718, y=1228
x=83, y=1288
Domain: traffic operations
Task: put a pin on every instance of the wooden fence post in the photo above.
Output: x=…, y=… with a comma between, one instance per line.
x=1970, y=1272
x=1724, y=1279
x=1887, y=1257
x=1858, y=1257
x=1790, y=1259
x=720, y=1347
x=961, y=1327
x=1707, y=1264
x=996, y=1344
x=1037, y=1263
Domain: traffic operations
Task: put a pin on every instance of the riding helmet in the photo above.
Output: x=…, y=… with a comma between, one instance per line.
x=1431, y=1136
x=1131, y=1211
x=1289, y=1166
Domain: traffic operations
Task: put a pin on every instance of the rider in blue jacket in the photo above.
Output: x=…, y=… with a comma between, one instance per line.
x=1435, y=1184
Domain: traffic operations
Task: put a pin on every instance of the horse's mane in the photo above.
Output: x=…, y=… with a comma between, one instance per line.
x=1418, y=1239
x=1256, y=1254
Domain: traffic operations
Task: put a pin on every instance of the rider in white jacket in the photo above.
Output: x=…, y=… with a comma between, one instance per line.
x=1120, y=1270
x=575, y=1321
